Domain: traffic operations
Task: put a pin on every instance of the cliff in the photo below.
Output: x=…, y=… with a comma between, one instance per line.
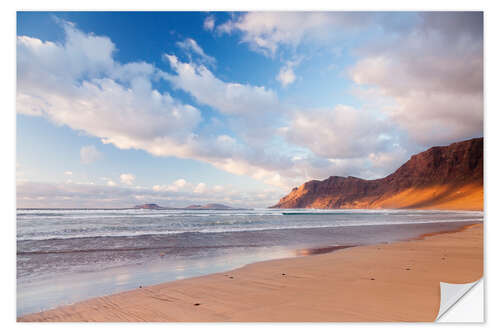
x=449, y=177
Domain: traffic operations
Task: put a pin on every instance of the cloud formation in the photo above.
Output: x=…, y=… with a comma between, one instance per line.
x=427, y=66
x=421, y=85
x=78, y=84
x=190, y=46
x=176, y=186
x=200, y=188
x=230, y=98
x=286, y=76
x=266, y=32
x=117, y=103
x=127, y=178
x=342, y=132
x=434, y=75
x=71, y=195
x=252, y=108
x=209, y=23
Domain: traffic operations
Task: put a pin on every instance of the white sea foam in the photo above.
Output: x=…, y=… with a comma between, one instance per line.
x=240, y=229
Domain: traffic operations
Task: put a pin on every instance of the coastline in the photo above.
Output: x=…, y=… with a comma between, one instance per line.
x=385, y=282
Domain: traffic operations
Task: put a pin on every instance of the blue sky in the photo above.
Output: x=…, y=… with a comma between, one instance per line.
x=115, y=109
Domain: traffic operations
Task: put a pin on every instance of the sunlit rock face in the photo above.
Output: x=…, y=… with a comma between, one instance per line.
x=449, y=177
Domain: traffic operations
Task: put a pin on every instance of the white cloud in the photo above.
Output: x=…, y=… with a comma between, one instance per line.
x=340, y=132
x=190, y=46
x=267, y=31
x=89, y=154
x=79, y=84
x=68, y=173
x=286, y=76
x=85, y=89
x=252, y=109
x=428, y=65
x=180, y=183
x=200, y=188
x=58, y=195
x=111, y=183
x=209, y=23
x=434, y=75
x=227, y=97
x=116, y=102
x=127, y=178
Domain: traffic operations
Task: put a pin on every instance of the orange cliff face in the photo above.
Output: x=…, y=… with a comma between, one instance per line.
x=449, y=177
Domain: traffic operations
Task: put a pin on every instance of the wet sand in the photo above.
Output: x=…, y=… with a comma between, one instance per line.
x=385, y=282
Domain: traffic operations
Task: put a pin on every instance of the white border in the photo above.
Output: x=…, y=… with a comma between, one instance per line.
x=491, y=121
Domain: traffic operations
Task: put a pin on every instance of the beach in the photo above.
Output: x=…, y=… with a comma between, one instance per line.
x=247, y=166
x=397, y=281
x=68, y=256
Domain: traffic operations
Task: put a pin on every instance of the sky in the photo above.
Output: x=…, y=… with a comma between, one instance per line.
x=116, y=109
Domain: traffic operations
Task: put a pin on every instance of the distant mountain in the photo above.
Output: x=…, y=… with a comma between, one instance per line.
x=148, y=206
x=449, y=177
x=199, y=207
x=210, y=206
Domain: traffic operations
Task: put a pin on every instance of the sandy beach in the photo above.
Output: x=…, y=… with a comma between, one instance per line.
x=385, y=282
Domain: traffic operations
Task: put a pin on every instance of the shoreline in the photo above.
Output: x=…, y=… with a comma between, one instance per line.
x=308, y=289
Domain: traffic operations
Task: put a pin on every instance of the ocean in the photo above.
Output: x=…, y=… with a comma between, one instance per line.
x=65, y=256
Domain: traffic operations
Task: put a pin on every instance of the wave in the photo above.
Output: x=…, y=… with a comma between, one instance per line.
x=229, y=230
x=127, y=249
x=232, y=213
x=23, y=216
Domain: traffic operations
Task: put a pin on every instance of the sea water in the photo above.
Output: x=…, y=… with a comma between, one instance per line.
x=65, y=256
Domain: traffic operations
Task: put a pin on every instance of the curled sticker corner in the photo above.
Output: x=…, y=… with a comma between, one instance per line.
x=451, y=293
